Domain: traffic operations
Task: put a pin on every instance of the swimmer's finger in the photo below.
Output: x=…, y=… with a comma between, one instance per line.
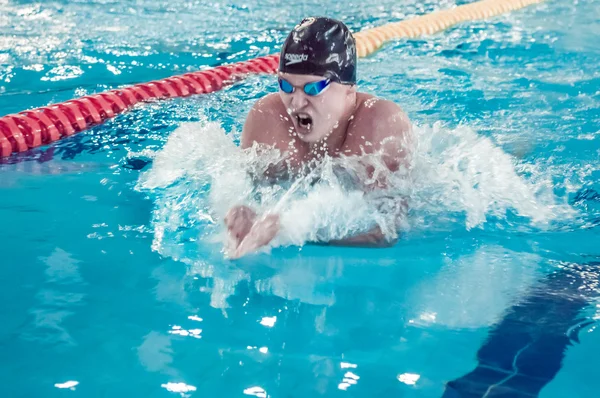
x=260, y=235
x=245, y=247
x=240, y=228
x=237, y=212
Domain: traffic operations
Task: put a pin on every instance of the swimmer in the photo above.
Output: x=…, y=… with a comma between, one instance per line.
x=318, y=112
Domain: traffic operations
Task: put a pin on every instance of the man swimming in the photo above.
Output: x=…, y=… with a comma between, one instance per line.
x=318, y=112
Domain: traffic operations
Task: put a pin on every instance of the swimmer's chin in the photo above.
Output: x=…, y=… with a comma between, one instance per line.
x=311, y=137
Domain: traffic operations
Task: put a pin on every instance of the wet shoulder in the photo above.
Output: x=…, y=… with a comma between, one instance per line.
x=372, y=109
x=266, y=123
x=268, y=105
x=375, y=119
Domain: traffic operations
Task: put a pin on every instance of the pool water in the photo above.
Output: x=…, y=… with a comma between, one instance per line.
x=113, y=280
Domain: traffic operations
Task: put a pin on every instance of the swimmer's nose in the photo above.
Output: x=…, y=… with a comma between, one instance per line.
x=299, y=100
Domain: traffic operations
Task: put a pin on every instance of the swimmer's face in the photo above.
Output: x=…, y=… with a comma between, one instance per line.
x=315, y=117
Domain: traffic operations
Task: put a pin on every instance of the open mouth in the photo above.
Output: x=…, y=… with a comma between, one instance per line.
x=304, y=121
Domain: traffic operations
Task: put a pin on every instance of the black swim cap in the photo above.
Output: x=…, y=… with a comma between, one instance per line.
x=320, y=46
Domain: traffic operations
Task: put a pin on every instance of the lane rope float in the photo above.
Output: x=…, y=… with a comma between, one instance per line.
x=370, y=40
x=41, y=126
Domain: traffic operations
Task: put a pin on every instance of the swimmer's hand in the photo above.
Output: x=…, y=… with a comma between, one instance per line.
x=262, y=232
x=239, y=221
x=247, y=233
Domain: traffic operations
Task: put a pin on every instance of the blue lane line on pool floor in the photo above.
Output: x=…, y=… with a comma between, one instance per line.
x=525, y=350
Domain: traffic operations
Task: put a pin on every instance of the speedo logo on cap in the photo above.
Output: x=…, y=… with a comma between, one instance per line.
x=295, y=58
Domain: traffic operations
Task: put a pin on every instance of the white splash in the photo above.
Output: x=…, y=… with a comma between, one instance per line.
x=351, y=375
x=268, y=321
x=181, y=388
x=457, y=176
x=262, y=350
x=459, y=171
x=69, y=384
x=428, y=317
x=63, y=72
x=256, y=391
x=348, y=380
x=409, y=378
x=195, y=333
x=343, y=386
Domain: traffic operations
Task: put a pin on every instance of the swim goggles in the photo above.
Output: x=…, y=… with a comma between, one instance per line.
x=314, y=88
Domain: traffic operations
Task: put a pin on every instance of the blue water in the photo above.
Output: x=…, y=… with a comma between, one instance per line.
x=493, y=288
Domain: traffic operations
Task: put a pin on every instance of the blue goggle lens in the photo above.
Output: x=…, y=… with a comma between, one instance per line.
x=313, y=89
x=317, y=87
x=285, y=86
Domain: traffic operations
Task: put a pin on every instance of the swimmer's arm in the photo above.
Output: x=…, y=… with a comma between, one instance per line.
x=375, y=236
x=392, y=137
x=372, y=238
